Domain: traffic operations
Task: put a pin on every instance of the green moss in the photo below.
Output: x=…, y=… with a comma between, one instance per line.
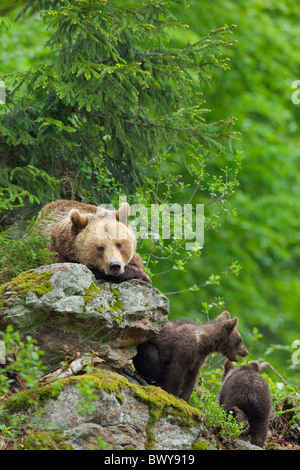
x=91, y=292
x=271, y=446
x=200, y=445
x=116, y=293
x=29, y=281
x=160, y=404
x=3, y=288
x=118, y=305
x=106, y=380
x=43, y=288
x=20, y=401
x=45, y=440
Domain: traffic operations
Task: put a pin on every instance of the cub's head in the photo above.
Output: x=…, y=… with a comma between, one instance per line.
x=230, y=368
x=103, y=241
x=231, y=344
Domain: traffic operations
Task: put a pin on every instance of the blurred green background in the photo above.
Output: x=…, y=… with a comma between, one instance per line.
x=263, y=237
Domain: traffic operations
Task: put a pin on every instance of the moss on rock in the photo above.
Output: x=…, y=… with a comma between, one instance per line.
x=45, y=440
x=160, y=404
x=200, y=445
x=92, y=292
x=29, y=281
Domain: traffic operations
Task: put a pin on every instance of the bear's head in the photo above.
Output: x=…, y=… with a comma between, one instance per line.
x=232, y=344
x=103, y=241
x=230, y=368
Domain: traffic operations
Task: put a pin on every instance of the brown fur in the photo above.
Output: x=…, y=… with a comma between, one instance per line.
x=100, y=239
x=172, y=359
x=246, y=394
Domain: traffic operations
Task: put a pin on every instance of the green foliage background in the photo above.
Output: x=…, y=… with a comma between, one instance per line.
x=264, y=237
x=257, y=227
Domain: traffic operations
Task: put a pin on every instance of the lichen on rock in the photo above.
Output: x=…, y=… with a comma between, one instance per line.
x=125, y=415
x=25, y=282
x=65, y=308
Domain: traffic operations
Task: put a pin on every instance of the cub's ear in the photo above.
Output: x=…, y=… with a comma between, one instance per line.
x=79, y=221
x=223, y=316
x=254, y=365
x=123, y=212
x=231, y=324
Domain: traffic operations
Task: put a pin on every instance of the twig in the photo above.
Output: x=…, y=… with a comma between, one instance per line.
x=77, y=345
x=73, y=368
x=264, y=365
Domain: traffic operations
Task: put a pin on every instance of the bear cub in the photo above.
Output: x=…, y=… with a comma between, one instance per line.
x=173, y=358
x=246, y=394
x=100, y=239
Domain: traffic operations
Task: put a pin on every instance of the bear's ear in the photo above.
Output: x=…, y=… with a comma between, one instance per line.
x=231, y=324
x=223, y=316
x=254, y=366
x=79, y=221
x=123, y=212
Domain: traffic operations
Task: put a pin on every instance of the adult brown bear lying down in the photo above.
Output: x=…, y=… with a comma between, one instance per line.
x=98, y=238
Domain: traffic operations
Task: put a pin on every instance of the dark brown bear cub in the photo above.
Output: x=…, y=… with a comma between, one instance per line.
x=173, y=358
x=246, y=394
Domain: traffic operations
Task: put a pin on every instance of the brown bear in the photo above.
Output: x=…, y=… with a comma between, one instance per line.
x=246, y=394
x=173, y=358
x=98, y=238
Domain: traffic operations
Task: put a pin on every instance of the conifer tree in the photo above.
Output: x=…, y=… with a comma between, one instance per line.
x=113, y=100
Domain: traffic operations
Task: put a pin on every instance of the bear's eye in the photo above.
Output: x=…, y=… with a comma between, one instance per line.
x=100, y=249
x=119, y=245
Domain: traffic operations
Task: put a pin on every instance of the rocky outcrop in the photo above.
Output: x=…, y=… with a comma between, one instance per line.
x=64, y=308
x=124, y=416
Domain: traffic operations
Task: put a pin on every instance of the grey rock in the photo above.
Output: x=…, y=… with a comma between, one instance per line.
x=240, y=444
x=123, y=420
x=170, y=434
x=66, y=309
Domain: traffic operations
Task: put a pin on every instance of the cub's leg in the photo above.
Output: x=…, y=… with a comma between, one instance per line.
x=258, y=432
x=147, y=362
x=189, y=383
x=172, y=379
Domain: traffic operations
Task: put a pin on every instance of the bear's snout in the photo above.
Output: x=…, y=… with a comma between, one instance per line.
x=115, y=267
